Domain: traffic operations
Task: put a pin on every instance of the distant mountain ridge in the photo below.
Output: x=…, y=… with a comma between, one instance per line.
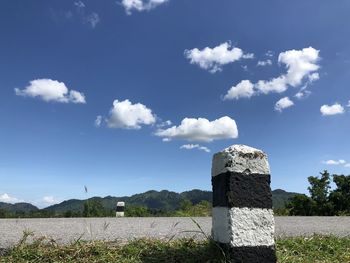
x=159, y=200
x=18, y=207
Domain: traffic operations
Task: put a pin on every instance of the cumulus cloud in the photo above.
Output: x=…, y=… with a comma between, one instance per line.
x=98, y=121
x=201, y=129
x=126, y=115
x=141, y=5
x=302, y=94
x=334, y=109
x=300, y=64
x=50, y=200
x=277, y=85
x=335, y=162
x=51, y=90
x=283, y=104
x=301, y=67
x=263, y=63
x=6, y=198
x=213, y=59
x=195, y=146
x=313, y=77
x=244, y=89
x=348, y=104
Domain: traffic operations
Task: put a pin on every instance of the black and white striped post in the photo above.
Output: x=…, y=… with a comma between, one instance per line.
x=243, y=221
x=120, y=209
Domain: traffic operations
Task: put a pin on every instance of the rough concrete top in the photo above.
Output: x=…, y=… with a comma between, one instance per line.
x=240, y=158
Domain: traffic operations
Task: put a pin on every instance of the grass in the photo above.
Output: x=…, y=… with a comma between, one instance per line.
x=314, y=249
x=300, y=249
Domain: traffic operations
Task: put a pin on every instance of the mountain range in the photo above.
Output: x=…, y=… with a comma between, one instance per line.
x=160, y=200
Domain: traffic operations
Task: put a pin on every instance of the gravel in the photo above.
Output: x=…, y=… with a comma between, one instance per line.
x=65, y=230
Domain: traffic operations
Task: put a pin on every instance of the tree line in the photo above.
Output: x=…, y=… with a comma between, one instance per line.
x=95, y=208
x=323, y=201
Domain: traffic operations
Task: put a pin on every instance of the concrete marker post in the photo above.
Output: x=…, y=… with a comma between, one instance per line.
x=243, y=221
x=120, y=209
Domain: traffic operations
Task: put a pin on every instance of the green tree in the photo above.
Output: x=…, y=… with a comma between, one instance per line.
x=340, y=196
x=93, y=208
x=185, y=204
x=136, y=211
x=301, y=205
x=319, y=192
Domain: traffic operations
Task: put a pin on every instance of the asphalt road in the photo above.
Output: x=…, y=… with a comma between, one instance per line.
x=65, y=230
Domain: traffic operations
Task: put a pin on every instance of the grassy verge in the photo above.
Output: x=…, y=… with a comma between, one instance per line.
x=300, y=249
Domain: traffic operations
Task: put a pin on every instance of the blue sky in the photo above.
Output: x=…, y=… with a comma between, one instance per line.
x=128, y=96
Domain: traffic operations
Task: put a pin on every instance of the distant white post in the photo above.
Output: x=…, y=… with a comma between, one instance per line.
x=120, y=209
x=243, y=221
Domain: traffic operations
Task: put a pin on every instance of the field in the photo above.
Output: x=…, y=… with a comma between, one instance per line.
x=292, y=249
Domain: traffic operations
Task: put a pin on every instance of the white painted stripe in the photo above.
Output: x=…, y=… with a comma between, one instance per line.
x=243, y=226
x=240, y=159
x=119, y=214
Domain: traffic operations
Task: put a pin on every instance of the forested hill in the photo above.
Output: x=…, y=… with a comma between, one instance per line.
x=163, y=200
x=18, y=207
x=157, y=200
x=160, y=200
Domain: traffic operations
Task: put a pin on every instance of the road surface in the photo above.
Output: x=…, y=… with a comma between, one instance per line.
x=65, y=230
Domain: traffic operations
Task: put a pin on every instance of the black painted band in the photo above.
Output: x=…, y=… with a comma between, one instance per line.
x=232, y=189
x=120, y=209
x=259, y=254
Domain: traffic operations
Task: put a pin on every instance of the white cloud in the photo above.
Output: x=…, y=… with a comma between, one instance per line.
x=302, y=94
x=263, y=63
x=6, y=198
x=335, y=162
x=248, y=56
x=244, y=89
x=79, y=4
x=334, y=109
x=98, y=121
x=50, y=200
x=212, y=59
x=269, y=53
x=126, y=115
x=76, y=97
x=141, y=5
x=92, y=19
x=348, y=104
x=51, y=90
x=313, y=77
x=201, y=129
x=283, y=104
x=278, y=85
x=164, y=124
x=195, y=146
x=300, y=64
